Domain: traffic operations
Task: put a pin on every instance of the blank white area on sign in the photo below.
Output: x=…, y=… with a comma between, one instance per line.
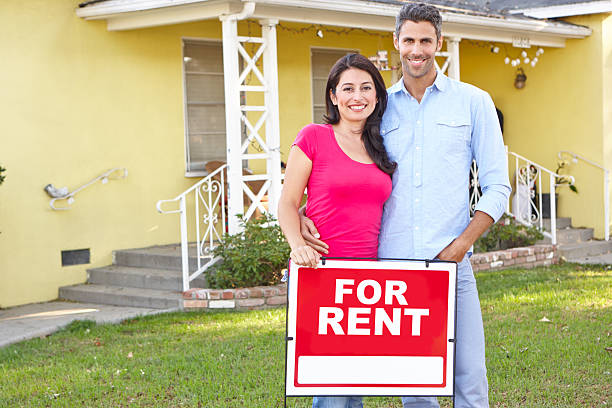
x=370, y=370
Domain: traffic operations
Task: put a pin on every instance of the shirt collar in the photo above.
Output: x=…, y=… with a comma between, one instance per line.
x=441, y=83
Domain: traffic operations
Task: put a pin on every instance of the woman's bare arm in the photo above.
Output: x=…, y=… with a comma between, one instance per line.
x=297, y=173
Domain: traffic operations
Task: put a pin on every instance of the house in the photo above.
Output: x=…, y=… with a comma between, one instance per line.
x=139, y=96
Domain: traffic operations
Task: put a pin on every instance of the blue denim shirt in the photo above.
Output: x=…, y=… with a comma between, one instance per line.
x=433, y=144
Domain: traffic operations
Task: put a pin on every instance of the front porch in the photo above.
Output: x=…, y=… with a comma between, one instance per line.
x=252, y=66
x=256, y=76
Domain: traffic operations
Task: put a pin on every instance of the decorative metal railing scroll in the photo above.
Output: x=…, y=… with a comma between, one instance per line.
x=475, y=192
x=526, y=203
x=209, y=208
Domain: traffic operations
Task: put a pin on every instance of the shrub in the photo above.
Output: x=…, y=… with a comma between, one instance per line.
x=2, y=177
x=254, y=257
x=507, y=233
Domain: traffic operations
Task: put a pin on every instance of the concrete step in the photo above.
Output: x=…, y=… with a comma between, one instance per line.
x=145, y=278
x=562, y=223
x=583, y=249
x=115, y=295
x=570, y=236
x=156, y=257
x=605, y=259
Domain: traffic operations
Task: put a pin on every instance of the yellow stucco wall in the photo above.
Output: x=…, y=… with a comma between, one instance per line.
x=559, y=109
x=607, y=91
x=78, y=100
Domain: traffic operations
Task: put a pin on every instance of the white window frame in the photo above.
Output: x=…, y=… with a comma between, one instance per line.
x=312, y=78
x=188, y=172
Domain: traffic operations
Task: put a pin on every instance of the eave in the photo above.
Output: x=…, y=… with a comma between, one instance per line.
x=566, y=10
x=135, y=14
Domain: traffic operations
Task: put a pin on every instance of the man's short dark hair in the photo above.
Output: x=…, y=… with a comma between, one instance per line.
x=418, y=12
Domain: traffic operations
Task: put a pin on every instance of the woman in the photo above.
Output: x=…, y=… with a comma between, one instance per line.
x=348, y=173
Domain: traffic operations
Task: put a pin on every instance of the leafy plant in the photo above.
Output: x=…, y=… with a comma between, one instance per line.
x=564, y=178
x=507, y=233
x=253, y=257
x=2, y=177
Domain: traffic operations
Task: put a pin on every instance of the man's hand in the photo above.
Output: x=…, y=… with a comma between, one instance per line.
x=305, y=256
x=456, y=250
x=311, y=235
x=453, y=252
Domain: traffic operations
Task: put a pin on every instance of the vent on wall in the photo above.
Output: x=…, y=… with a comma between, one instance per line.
x=75, y=257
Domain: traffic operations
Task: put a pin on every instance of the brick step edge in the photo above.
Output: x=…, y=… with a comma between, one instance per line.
x=258, y=297
x=524, y=257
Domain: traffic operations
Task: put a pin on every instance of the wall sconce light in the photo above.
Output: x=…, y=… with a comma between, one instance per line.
x=521, y=78
x=55, y=192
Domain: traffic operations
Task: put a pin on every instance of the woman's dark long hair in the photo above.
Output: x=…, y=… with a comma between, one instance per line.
x=372, y=140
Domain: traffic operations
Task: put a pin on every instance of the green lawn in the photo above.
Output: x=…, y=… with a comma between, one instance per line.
x=237, y=359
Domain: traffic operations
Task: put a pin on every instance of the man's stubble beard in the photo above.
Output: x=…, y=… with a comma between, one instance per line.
x=407, y=70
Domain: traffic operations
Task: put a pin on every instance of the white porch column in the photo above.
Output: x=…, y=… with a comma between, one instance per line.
x=235, y=200
x=270, y=65
x=452, y=45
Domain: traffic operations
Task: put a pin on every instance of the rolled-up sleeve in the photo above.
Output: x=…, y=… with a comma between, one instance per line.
x=490, y=154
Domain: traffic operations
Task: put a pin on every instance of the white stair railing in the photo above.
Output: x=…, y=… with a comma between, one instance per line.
x=526, y=204
x=606, y=185
x=63, y=194
x=209, y=206
x=527, y=185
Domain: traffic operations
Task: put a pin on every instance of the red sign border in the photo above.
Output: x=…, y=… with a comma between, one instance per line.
x=360, y=263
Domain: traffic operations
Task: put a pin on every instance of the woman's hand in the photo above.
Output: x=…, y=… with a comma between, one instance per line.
x=305, y=256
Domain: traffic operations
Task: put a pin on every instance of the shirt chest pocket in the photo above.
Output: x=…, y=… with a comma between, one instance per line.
x=454, y=134
x=395, y=141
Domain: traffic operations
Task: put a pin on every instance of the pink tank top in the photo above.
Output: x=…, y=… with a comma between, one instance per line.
x=345, y=197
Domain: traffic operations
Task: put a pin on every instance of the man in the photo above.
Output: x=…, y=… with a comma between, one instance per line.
x=433, y=127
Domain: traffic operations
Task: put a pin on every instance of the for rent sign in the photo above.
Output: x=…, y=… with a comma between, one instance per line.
x=371, y=328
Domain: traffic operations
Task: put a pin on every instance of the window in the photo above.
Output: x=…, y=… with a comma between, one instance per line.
x=322, y=60
x=204, y=104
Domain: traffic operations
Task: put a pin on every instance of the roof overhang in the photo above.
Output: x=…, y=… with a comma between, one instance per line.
x=134, y=14
x=566, y=10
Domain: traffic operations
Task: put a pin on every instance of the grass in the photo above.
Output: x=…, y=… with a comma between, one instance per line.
x=237, y=359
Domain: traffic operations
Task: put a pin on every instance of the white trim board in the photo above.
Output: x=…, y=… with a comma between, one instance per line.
x=126, y=15
x=566, y=10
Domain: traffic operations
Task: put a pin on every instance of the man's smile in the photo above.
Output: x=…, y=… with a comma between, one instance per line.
x=417, y=61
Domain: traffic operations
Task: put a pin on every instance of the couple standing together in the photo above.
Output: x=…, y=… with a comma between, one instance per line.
x=387, y=177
